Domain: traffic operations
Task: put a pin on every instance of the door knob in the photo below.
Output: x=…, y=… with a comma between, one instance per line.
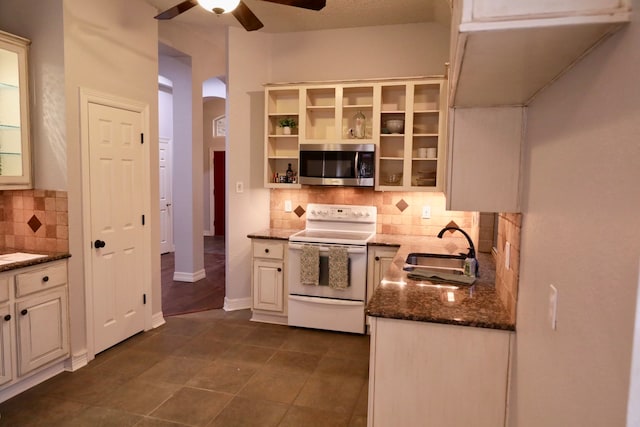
x=7, y=317
x=24, y=312
x=99, y=244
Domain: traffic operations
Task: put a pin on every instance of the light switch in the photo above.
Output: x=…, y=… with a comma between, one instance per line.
x=287, y=206
x=239, y=187
x=553, y=306
x=426, y=212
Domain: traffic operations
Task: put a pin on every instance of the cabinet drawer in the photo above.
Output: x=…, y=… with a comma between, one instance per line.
x=265, y=249
x=41, y=279
x=4, y=288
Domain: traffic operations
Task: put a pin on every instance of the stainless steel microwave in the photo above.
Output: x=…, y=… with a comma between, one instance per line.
x=350, y=165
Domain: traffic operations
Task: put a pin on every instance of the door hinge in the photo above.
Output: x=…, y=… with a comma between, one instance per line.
x=142, y=138
x=142, y=219
x=144, y=298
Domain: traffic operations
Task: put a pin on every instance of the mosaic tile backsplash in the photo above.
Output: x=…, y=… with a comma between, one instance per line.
x=34, y=220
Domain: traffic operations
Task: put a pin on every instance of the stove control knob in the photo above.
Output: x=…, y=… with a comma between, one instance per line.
x=313, y=212
x=367, y=215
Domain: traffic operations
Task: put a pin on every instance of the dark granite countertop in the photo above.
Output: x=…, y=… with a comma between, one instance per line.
x=50, y=256
x=273, y=234
x=399, y=297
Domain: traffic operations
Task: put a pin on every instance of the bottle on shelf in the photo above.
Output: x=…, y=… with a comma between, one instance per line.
x=289, y=174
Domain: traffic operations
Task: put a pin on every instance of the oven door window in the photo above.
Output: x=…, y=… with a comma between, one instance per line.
x=323, y=277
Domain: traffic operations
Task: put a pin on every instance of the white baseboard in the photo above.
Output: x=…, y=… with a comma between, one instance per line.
x=76, y=362
x=236, y=304
x=157, y=320
x=31, y=381
x=179, y=276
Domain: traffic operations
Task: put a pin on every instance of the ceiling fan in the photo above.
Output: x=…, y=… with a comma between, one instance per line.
x=238, y=8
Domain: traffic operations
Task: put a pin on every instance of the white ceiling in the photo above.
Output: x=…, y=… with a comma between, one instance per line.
x=337, y=14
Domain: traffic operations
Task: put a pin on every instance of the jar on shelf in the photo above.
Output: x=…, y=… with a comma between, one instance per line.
x=359, y=125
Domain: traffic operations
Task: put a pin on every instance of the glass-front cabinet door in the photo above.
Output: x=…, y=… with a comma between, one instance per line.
x=15, y=159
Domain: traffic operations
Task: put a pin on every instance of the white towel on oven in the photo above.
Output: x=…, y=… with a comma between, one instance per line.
x=310, y=265
x=338, y=268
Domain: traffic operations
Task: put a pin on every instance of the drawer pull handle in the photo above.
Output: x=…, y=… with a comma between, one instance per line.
x=7, y=317
x=24, y=312
x=279, y=269
x=266, y=251
x=45, y=279
x=377, y=258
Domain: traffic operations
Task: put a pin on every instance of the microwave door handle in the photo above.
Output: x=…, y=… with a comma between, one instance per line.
x=357, y=165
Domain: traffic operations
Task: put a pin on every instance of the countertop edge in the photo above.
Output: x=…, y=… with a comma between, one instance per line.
x=35, y=261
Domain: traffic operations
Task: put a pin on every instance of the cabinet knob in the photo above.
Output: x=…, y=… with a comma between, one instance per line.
x=99, y=244
x=279, y=269
x=266, y=251
x=24, y=312
x=377, y=258
x=7, y=317
x=45, y=279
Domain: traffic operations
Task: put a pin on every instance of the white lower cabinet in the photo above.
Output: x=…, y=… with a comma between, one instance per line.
x=268, y=283
x=42, y=329
x=34, y=320
x=379, y=259
x=5, y=345
x=432, y=375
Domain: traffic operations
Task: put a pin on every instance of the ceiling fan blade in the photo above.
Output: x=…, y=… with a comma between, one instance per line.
x=249, y=21
x=305, y=4
x=177, y=9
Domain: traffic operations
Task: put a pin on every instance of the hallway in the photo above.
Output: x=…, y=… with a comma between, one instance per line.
x=205, y=294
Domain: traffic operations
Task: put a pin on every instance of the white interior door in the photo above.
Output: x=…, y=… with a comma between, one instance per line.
x=117, y=189
x=166, y=201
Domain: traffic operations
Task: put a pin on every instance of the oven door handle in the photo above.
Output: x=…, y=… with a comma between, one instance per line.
x=351, y=250
x=327, y=301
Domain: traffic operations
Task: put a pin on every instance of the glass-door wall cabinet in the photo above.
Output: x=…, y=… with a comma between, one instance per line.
x=404, y=118
x=15, y=159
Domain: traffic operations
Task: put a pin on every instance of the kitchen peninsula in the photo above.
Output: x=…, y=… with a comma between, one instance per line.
x=436, y=345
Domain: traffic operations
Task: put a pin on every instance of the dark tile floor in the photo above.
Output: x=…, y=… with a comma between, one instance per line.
x=211, y=368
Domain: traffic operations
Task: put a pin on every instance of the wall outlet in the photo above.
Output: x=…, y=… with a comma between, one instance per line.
x=507, y=256
x=287, y=206
x=553, y=306
x=426, y=212
x=239, y=187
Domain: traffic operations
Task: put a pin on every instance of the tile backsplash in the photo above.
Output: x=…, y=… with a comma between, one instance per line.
x=509, y=228
x=34, y=220
x=398, y=212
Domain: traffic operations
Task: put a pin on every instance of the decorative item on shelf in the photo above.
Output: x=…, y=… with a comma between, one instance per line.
x=287, y=124
x=359, y=125
x=395, y=125
x=426, y=178
x=393, y=178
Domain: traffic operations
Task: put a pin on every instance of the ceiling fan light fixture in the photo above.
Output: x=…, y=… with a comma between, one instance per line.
x=219, y=6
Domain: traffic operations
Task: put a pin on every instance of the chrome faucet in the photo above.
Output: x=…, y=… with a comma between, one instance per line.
x=472, y=249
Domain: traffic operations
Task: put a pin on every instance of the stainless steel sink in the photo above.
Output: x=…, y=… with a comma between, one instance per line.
x=453, y=264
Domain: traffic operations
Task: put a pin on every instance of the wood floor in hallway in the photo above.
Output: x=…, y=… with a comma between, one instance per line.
x=205, y=294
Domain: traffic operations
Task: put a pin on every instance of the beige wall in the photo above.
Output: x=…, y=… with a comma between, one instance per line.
x=580, y=232
x=103, y=42
x=257, y=58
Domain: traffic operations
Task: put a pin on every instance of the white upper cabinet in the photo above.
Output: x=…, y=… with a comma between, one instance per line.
x=503, y=52
x=15, y=159
x=485, y=146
